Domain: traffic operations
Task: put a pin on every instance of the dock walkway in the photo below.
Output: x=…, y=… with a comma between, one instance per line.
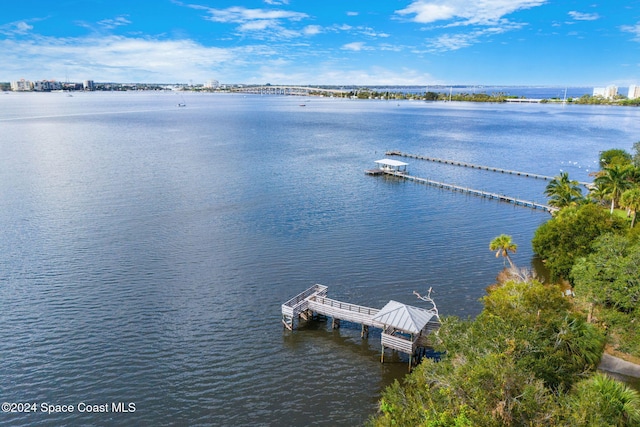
x=481, y=193
x=474, y=166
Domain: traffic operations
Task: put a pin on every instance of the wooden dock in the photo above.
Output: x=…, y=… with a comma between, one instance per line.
x=480, y=193
x=474, y=166
x=404, y=328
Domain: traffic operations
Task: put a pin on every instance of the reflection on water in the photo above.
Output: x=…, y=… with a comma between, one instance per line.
x=146, y=249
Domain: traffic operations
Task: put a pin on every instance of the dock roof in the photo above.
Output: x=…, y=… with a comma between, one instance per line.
x=404, y=317
x=391, y=162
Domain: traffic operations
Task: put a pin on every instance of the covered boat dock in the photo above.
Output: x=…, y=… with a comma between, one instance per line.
x=404, y=328
x=388, y=166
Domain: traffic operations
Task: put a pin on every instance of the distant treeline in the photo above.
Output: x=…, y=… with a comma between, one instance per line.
x=471, y=97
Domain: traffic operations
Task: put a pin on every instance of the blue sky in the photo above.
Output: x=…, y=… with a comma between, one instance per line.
x=367, y=42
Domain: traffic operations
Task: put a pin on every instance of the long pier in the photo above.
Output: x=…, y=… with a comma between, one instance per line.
x=404, y=328
x=474, y=166
x=452, y=187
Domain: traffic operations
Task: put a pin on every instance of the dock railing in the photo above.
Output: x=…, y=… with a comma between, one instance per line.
x=343, y=310
x=299, y=303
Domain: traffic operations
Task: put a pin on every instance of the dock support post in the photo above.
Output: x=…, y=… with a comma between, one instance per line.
x=335, y=323
x=365, y=332
x=382, y=355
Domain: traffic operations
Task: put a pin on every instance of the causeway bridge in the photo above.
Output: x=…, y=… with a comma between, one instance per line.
x=287, y=90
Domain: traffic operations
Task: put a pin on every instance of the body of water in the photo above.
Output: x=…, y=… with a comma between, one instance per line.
x=145, y=249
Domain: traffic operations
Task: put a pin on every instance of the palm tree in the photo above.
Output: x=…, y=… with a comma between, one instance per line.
x=614, y=181
x=630, y=199
x=563, y=191
x=503, y=245
x=602, y=400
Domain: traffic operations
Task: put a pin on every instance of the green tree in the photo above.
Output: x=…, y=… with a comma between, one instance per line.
x=569, y=235
x=630, y=199
x=614, y=181
x=636, y=154
x=503, y=245
x=511, y=366
x=563, y=192
x=615, y=156
x=611, y=274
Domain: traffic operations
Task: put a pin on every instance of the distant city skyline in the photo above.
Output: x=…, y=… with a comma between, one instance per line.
x=422, y=42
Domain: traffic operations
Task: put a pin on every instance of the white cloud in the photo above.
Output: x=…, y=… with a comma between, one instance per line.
x=312, y=30
x=261, y=24
x=633, y=29
x=579, y=16
x=480, y=12
x=242, y=15
x=113, y=58
x=276, y=2
x=449, y=42
x=354, y=46
x=15, y=28
x=353, y=13
x=113, y=23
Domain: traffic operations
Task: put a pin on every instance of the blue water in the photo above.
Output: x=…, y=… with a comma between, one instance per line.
x=145, y=249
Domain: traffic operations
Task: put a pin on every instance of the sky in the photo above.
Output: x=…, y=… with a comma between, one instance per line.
x=323, y=42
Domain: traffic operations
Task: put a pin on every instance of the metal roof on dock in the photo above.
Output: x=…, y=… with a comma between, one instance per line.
x=391, y=162
x=404, y=317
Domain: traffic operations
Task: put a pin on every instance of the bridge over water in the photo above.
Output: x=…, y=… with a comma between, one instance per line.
x=287, y=90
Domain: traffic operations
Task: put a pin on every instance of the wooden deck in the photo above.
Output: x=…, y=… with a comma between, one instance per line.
x=314, y=301
x=344, y=311
x=474, y=166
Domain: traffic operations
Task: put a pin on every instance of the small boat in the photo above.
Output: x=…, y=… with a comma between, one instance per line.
x=182, y=104
x=303, y=105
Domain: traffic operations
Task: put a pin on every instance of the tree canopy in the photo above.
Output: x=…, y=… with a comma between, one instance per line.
x=522, y=361
x=569, y=235
x=563, y=191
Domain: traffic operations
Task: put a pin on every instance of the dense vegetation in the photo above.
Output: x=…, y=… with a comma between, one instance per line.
x=530, y=357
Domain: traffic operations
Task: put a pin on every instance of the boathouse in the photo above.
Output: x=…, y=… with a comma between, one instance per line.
x=404, y=328
x=388, y=166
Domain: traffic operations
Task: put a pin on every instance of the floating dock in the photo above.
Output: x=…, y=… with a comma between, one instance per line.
x=474, y=166
x=404, y=327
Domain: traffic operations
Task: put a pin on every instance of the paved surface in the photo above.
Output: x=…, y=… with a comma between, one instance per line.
x=616, y=365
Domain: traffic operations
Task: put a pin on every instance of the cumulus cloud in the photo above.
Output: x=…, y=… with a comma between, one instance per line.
x=486, y=12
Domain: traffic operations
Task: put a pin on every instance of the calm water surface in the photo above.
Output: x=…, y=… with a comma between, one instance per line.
x=145, y=249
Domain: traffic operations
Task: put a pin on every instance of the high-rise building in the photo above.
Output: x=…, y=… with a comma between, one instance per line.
x=21, y=85
x=88, y=85
x=608, y=92
x=634, y=92
x=211, y=84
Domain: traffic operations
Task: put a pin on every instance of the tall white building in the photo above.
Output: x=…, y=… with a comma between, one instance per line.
x=21, y=85
x=634, y=92
x=608, y=92
x=211, y=84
